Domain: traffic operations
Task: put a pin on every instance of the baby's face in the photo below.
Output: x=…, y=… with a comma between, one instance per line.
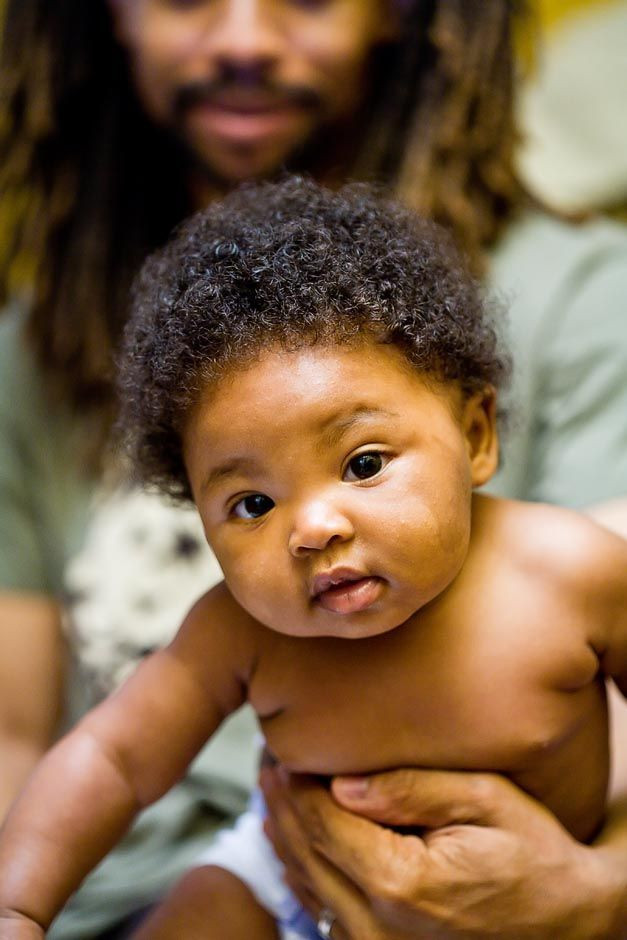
x=334, y=485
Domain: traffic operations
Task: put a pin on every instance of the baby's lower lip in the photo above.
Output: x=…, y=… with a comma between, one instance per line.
x=351, y=597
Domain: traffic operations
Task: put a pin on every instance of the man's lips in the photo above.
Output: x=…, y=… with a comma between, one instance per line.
x=244, y=93
x=346, y=591
x=243, y=121
x=246, y=103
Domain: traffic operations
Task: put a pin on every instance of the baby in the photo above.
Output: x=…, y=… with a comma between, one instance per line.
x=318, y=372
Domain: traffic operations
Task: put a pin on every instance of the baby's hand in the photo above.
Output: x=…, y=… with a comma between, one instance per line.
x=14, y=926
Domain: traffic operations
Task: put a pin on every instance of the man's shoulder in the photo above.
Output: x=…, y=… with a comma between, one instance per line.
x=550, y=243
x=27, y=412
x=21, y=385
x=542, y=261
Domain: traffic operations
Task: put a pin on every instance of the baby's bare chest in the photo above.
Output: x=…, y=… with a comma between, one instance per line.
x=526, y=707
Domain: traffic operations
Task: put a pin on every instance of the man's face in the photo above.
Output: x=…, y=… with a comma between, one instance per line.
x=247, y=84
x=335, y=485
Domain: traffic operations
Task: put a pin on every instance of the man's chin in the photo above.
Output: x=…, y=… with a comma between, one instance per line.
x=225, y=167
x=220, y=176
x=234, y=163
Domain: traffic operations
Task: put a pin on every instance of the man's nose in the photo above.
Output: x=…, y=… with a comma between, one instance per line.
x=318, y=524
x=245, y=34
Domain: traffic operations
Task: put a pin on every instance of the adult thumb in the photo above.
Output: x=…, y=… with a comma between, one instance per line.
x=430, y=799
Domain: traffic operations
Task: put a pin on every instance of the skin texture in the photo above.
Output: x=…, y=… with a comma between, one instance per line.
x=259, y=79
x=497, y=668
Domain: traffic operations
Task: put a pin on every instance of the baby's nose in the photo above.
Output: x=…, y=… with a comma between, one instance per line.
x=317, y=525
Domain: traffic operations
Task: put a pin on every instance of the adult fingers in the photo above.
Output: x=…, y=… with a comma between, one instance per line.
x=433, y=799
x=314, y=832
x=500, y=860
x=297, y=808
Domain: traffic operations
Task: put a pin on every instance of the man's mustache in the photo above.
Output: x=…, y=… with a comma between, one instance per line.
x=203, y=92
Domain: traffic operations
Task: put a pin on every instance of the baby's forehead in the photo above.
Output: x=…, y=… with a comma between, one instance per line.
x=317, y=384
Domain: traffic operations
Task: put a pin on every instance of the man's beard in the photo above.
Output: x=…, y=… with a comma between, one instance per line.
x=242, y=81
x=312, y=154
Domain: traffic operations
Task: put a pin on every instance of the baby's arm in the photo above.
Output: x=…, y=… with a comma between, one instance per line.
x=124, y=755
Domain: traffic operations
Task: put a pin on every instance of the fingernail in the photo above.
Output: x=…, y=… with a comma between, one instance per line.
x=352, y=788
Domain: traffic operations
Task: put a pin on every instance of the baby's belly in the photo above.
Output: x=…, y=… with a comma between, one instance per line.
x=559, y=755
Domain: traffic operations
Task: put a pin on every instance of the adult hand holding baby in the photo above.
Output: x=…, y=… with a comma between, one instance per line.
x=491, y=861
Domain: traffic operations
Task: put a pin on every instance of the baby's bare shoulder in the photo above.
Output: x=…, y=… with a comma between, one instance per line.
x=561, y=544
x=556, y=576
x=560, y=552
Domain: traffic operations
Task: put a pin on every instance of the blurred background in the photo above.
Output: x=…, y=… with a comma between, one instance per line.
x=572, y=107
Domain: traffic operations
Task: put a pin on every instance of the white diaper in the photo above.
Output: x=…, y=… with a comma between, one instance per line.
x=245, y=851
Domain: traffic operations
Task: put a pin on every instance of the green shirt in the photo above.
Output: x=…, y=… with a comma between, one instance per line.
x=43, y=491
x=566, y=290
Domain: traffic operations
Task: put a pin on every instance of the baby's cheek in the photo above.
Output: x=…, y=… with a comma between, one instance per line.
x=426, y=539
x=257, y=584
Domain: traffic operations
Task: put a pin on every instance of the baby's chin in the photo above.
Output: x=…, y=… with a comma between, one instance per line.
x=355, y=632
x=341, y=627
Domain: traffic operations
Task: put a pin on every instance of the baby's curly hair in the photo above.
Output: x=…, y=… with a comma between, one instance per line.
x=291, y=264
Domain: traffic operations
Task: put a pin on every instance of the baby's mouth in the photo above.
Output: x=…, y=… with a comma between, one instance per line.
x=344, y=591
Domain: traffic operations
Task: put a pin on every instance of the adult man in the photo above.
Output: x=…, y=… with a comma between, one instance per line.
x=118, y=118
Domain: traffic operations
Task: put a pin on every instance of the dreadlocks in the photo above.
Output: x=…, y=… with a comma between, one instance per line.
x=82, y=170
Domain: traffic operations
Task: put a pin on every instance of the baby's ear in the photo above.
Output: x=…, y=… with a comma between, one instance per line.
x=482, y=440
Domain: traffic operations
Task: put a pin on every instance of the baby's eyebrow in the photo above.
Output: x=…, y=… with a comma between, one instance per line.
x=337, y=425
x=230, y=467
x=332, y=430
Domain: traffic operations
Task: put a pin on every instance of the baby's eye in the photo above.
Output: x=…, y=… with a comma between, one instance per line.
x=253, y=506
x=364, y=466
